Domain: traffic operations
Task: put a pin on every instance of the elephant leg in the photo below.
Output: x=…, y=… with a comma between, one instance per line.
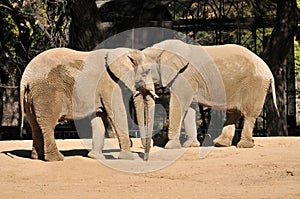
x=37, y=137
x=118, y=119
x=176, y=110
x=189, y=123
x=51, y=151
x=246, y=136
x=37, y=143
x=225, y=139
x=47, y=122
x=98, y=130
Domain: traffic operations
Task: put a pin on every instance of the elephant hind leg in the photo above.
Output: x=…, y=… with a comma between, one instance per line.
x=225, y=139
x=51, y=152
x=246, y=137
x=38, y=143
x=37, y=137
x=47, y=123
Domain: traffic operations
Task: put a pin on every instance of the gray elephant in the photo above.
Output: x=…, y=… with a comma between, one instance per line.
x=63, y=84
x=227, y=77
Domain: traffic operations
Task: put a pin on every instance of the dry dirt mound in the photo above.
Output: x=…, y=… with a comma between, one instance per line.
x=269, y=170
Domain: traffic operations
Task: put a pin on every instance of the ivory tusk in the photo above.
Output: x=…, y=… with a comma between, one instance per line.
x=136, y=93
x=154, y=94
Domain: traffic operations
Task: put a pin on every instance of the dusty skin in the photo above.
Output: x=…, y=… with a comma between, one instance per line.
x=269, y=170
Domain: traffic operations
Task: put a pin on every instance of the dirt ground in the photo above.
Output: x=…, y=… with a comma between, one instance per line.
x=269, y=170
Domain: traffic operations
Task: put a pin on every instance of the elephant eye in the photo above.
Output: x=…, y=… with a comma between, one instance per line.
x=146, y=72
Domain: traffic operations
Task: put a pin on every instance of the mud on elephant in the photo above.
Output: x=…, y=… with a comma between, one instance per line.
x=227, y=77
x=63, y=84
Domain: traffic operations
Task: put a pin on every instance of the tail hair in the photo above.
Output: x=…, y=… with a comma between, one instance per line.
x=273, y=90
x=23, y=91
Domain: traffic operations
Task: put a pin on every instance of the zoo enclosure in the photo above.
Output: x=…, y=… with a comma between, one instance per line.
x=209, y=22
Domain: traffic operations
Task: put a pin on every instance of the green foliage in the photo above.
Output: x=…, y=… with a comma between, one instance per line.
x=29, y=27
x=297, y=58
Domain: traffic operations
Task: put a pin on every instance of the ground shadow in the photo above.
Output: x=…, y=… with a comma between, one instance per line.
x=19, y=153
x=23, y=153
x=75, y=152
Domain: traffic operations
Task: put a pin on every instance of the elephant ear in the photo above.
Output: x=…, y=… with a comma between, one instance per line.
x=173, y=56
x=121, y=64
x=171, y=65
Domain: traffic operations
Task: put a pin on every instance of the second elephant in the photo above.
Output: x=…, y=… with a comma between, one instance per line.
x=227, y=77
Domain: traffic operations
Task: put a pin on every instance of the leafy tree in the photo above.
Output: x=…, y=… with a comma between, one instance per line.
x=275, y=55
x=27, y=27
x=86, y=31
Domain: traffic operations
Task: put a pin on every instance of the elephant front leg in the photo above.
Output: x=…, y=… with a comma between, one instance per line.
x=98, y=133
x=175, y=118
x=118, y=118
x=189, y=123
x=246, y=137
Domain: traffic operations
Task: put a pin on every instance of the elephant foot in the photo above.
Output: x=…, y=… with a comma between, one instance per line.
x=54, y=156
x=222, y=141
x=34, y=154
x=146, y=156
x=173, y=144
x=191, y=143
x=126, y=155
x=245, y=143
x=96, y=155
x=144, y=142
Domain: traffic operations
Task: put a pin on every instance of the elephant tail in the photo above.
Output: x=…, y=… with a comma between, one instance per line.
x=272, y=84
x=22, y=98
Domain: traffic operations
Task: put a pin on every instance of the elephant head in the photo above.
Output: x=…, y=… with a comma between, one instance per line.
x=170, y=63
x=141, y=83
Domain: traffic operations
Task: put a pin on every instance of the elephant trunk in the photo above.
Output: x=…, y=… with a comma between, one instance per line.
x=144, y=104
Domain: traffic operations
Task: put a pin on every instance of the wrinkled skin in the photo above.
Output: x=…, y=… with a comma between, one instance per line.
x=52, y=90
x=227, y=77
x=144, y=101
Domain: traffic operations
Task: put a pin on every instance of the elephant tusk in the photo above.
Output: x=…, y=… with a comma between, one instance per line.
x=154, y=94
x=136, y=93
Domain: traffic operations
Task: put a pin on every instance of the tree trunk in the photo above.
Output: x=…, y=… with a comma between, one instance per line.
x=85, y=31
x=275, y=55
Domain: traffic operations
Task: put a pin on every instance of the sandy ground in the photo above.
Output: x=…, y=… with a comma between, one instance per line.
x=269, y=170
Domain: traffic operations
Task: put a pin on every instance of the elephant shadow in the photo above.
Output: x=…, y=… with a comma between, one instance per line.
x=23, y=153
x=108, y=154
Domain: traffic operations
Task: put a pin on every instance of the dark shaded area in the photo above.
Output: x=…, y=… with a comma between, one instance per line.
x=23, y=153
x=128, y=14
x=85, y=29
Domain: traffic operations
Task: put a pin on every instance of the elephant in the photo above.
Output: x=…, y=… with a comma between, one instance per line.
x=225, y=77
x=64, y=84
